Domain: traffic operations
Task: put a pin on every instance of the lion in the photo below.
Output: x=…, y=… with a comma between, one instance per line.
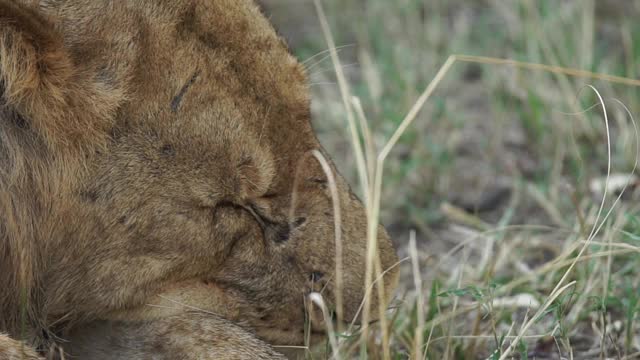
x=161, y=194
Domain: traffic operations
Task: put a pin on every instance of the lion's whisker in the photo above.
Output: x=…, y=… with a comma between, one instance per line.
x=290, y=347
x=162, y=307
x=264, y=125
x=338, y=49
x=370, y=288
x=321, y=71
x=321, y=83
x=187, y=306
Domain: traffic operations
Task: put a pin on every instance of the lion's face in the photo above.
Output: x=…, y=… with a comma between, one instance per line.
x=203, y=190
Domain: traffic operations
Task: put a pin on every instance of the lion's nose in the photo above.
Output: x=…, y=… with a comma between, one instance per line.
x=316, y=276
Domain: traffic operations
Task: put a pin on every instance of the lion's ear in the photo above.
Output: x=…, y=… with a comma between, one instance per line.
x=60, y=100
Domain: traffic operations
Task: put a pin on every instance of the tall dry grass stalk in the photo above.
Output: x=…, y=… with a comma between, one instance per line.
x=417, y=280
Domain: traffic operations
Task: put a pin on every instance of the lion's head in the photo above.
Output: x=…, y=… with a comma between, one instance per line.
x=163, y=151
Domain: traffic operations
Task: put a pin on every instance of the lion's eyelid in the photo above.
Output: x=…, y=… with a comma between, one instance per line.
x=256, y=215
x=318, y=180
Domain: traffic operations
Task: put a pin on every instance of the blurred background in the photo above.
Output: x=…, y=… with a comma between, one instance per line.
x=502, y=174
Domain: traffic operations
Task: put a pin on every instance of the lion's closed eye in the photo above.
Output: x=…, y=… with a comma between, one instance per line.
x=298, y=222
x=278, y=231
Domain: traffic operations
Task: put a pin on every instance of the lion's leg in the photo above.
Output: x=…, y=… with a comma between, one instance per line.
x=186, y=336
x=14, y=350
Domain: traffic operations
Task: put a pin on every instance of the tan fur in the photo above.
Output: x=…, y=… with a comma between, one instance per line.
x=170, y=337
x=14, y=350
x=159, y=153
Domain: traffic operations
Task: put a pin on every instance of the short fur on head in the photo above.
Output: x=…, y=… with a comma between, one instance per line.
x=160, y=152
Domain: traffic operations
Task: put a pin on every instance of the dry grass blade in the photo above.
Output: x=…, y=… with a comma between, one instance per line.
x=418, y=336
x=317, y=299
x=337, y=226
x=548, y=68
x=368, y=140
x=346, y=95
